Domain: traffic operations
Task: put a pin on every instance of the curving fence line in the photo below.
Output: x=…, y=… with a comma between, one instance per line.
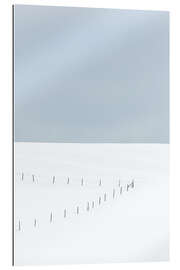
x=115, y=192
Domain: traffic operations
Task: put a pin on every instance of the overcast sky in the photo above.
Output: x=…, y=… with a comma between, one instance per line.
x=91, y=75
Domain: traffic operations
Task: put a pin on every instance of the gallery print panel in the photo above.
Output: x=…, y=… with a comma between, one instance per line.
x=91, y=135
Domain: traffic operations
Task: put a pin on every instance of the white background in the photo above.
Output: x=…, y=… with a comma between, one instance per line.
x=6, y=127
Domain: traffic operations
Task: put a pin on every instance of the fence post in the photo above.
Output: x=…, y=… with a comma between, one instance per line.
x=113, y=193
x=19, y=226
x=53, y=179
x=51, y=217
x=35, y=222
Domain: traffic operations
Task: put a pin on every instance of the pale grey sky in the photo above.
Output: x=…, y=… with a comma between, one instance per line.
x=91, y=75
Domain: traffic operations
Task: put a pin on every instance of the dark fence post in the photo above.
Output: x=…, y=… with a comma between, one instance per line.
x=53, y=179
x=65, y=213
x=113, y=193
x=51, y=217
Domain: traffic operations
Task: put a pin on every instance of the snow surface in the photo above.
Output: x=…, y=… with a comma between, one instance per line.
x=60, y=218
